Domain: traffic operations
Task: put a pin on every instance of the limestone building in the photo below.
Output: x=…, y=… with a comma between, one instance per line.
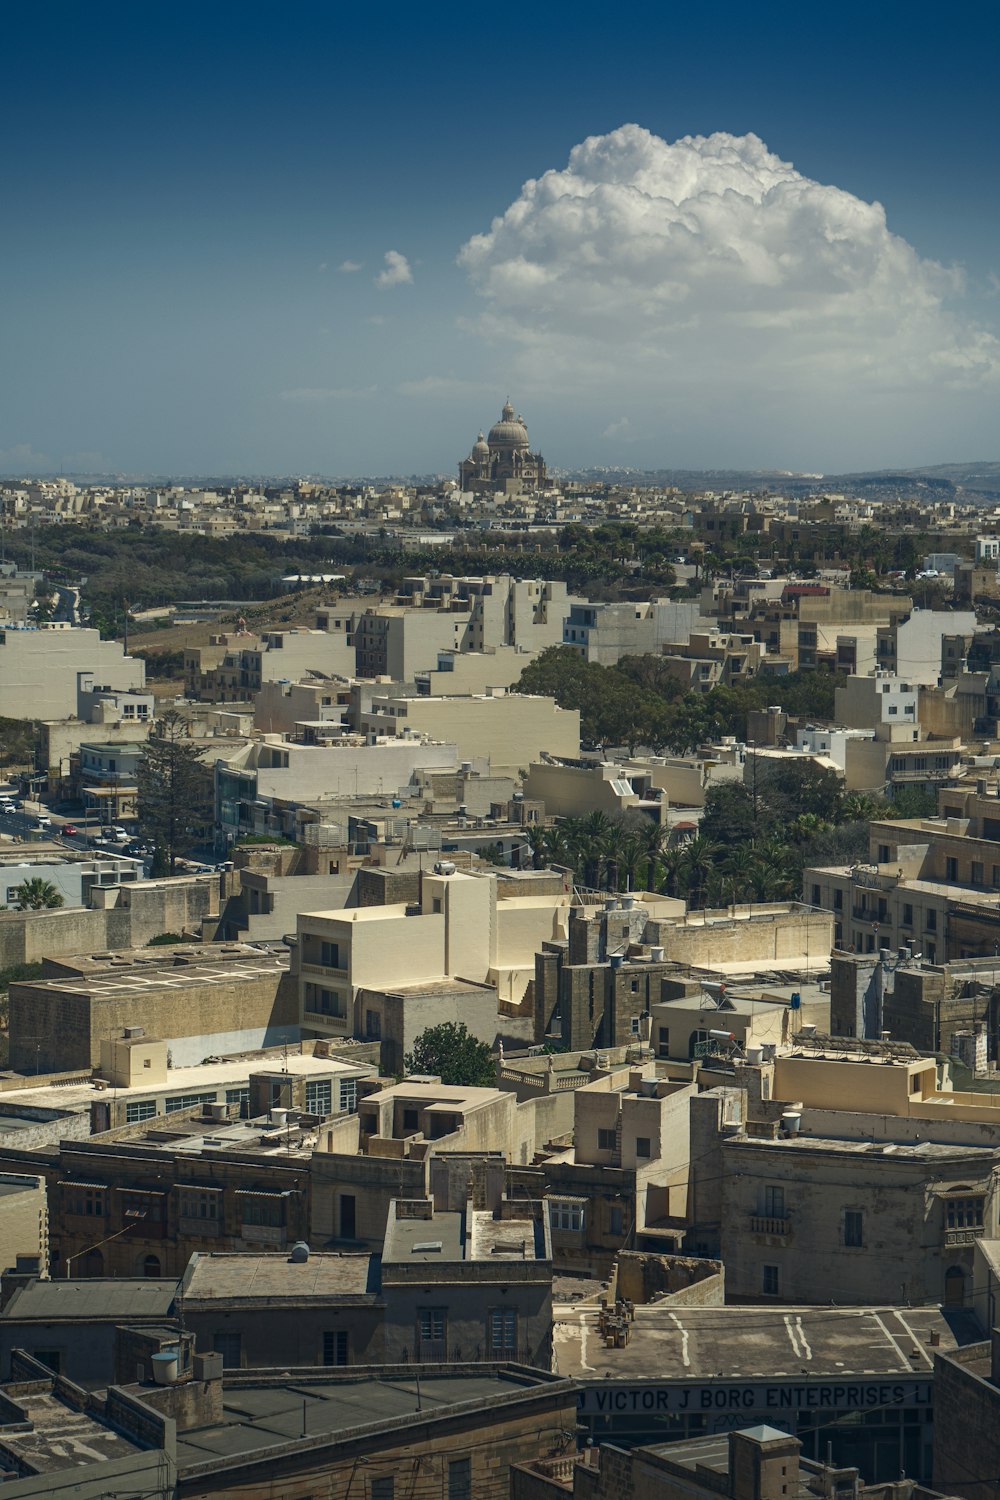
x=504, y=460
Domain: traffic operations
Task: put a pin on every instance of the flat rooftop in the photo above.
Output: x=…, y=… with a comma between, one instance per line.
x=982, y=1157
x=756, y=1342
x=60, y=1437
x=128, y=980
x=78, y=1097
x=713, y=1453
x=250, y=1278
x=87, y=1300
x=167, y=956
x=438, y=1239
x=261, y=1417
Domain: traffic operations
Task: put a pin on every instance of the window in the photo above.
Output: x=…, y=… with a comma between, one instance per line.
x=432, y=1332
x=382, y=1489
x=460, y=1479
x=615, y=1220
x=502, y=1331
x=605, y=1140
x=319, y=1096
x=774, y=1202
x=200, y=1203
x=964, y=1213
x=838, y=900
x=907, y=914
x=951, y=869
x=187, y=1101
x=642, y=1145
x=240, y=1096
x=664, y=1041
x=635, y=1025
x=977, y=873
x=335, y=1347
x=349, y=1094
x=770, y=1282
x=853, y=1228
x=815, y=895
x=264, y=1209
x=88, y=1202
x=566, y=1214
x=373, y=1025
x=930, y=920
x=883, y=854
x=329, y=956
x=411, y=1119
x=139, y=1109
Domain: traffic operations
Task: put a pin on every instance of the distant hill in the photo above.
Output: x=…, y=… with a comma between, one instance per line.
x=966, y=481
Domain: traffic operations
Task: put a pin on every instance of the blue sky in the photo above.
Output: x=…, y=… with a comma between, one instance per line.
x=182, y=184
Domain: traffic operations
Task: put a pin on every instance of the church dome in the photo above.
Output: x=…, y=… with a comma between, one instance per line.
x=480, y=448
x=510, y=431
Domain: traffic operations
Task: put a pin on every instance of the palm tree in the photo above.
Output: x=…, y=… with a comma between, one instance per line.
x=631, y=858
x=536, y=837
x=700, y=857
x=672, y=864
x=610, y=846
x=37, y=895
x=654, y=839
x=742, y=867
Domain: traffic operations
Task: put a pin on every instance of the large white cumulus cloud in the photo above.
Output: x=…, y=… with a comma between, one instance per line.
x=645, y=264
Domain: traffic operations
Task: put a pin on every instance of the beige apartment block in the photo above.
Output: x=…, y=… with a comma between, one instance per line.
x=510, y=730
x=574, y=791
x=282, y=707
x=930, y=883
x=40, y=668
x=464, y=928
x=636, y=1119
x=461, y=673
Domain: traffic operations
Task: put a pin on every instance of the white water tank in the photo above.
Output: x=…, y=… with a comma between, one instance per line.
x=165, y=1366
x=755, y=1056
x=656, y=955
x=279, y=1117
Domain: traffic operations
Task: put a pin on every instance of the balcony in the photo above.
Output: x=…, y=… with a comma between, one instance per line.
x=770, y=1224
x=966, y=1236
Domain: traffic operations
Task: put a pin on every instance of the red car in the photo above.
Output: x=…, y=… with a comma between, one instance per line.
x=70, y=830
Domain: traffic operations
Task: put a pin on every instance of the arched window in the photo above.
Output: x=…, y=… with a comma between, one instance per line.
x=151, y=1266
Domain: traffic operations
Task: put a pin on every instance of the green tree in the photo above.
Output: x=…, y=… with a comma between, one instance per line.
x=37, y=895
x=175, y=788
x=453, y=1053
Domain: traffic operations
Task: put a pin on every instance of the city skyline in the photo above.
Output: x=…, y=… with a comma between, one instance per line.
x=311, y=244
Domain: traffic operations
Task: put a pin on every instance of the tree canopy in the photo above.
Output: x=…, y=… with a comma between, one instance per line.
x=639, y=702
x=175, y=788
x=454, y=1054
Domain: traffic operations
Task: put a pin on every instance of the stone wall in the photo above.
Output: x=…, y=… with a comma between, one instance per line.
x=687, y=1280
x=55, y=1029
x=966, y=1423
x=142, y=911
